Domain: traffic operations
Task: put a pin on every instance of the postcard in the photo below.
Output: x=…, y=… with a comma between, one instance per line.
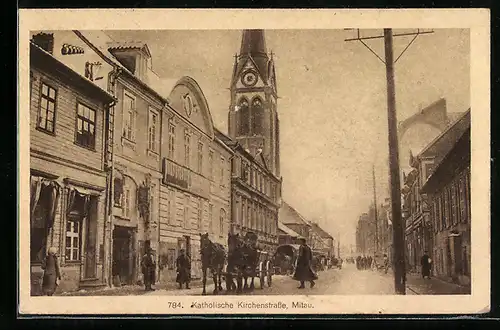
x=189, y=161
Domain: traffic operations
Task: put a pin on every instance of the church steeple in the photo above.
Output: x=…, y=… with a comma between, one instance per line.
x=253, y=116
x=253, y=43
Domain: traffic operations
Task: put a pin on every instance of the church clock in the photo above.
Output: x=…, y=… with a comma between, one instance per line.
x=249, y=78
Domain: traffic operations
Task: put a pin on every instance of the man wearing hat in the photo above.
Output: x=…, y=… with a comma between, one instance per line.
x=303, y=270
x=148, y=266
x=183, y=269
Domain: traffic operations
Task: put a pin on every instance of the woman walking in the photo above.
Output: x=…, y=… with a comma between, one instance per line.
x=51, y=274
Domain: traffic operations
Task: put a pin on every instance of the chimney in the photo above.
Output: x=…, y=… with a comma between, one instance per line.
x=44, y=41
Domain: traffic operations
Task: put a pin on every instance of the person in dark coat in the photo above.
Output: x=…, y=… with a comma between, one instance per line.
x=183, y=264
x=425, y=262
x=358, y=262
x=148, y=266
x=52, y=273
x=304, y=271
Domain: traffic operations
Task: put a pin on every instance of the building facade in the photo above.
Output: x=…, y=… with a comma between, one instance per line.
x=326, y=243
x=448, y=188
x=287, y=235
x=68, y=116
x=292, y=219
x=255, y=197
x=416, y=206
x=196, y=184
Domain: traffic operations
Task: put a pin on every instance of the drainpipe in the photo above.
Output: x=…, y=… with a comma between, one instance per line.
x=108, y=223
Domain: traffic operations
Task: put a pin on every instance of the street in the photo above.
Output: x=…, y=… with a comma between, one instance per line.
x=345, y=281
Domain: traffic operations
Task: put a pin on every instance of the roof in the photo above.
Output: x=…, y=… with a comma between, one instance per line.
x=444, y=141
x=102, y=43
x=47, y=58
x=287, y=230
x=320, y=231
x=253, y=48
x=456, y=159
x=288, y=215
x=129, y=45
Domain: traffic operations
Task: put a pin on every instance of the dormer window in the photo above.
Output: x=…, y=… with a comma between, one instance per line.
x=134, y=56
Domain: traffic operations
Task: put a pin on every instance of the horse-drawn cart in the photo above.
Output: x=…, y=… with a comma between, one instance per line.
x=265, y=269
x=285, y=258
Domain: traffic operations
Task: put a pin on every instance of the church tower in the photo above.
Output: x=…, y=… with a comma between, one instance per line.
x=253, y=114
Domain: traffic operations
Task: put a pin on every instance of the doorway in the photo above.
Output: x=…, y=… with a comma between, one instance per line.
x=123, y=254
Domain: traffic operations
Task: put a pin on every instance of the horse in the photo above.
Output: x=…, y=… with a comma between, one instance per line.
x=243, y=257
x=213, y=256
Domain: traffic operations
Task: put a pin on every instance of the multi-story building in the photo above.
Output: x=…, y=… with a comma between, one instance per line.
x=196, y=185
x=254, y=126
x=68, y=116
x=255, y=196
x=448, y=190
x=416, y=207
x=367, y=233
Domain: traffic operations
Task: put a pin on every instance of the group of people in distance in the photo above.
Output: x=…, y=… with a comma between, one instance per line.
x=369, y=262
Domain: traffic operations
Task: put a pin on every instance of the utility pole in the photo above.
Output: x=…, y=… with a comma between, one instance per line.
x=376, y=213
x=395, y=183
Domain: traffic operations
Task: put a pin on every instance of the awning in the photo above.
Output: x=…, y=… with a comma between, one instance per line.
x=288, y=231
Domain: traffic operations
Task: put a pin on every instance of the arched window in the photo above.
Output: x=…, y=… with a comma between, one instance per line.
x=222, y=220
x=258, y=116
x=243, y=117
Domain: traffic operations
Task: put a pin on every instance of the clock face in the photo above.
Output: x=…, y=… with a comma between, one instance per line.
x=249, y=78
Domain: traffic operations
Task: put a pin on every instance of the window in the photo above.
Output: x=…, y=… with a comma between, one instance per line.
x=222, y=220
x=211, y=165
x=46, y=115
x=187, y=149
x=126, y=202
x=200, y=157
x=454, y=205
x=222, y=170
x=200, y=209
x=118, y=192
x=171, y=140
x=210, y=218
x=186, y=211
x=243, y=114
x=171, y=207
x=129, y=117
x=85, y=123
x=73, y=234
x=152, y=130
x=258, y=116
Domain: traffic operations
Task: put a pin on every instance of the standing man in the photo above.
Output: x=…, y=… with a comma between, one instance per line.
x=183, y=269
x=303, y=271
x=425, y=262
x=386, y=263
x=148, y=266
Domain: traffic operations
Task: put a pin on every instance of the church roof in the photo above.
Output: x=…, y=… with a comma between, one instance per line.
x=253, y=48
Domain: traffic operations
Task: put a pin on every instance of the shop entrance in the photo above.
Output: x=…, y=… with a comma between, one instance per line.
x=123, y=255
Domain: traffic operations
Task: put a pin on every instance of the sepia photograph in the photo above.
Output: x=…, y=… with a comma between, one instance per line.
x=251, y=162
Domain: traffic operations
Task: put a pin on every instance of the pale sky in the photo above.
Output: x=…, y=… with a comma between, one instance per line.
x=332, y=104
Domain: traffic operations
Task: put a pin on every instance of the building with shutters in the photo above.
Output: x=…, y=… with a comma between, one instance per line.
x=68, y=118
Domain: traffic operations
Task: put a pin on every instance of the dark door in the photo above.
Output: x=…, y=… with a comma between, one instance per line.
x=91, y=240
x=121, y=254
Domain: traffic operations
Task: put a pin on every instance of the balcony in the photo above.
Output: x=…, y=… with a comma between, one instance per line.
x=182, y=177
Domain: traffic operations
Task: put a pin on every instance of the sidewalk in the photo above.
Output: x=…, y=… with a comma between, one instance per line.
x=434, y=286
x=127, y=290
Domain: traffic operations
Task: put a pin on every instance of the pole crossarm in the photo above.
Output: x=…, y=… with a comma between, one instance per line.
x=414, y=34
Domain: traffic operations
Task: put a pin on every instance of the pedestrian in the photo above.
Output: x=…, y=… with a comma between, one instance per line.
x=183, y=263
x=358, y=262
x=425, y=262
x=386, y=263
x=303, y=270
x=51, y=273
x=148, y=266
